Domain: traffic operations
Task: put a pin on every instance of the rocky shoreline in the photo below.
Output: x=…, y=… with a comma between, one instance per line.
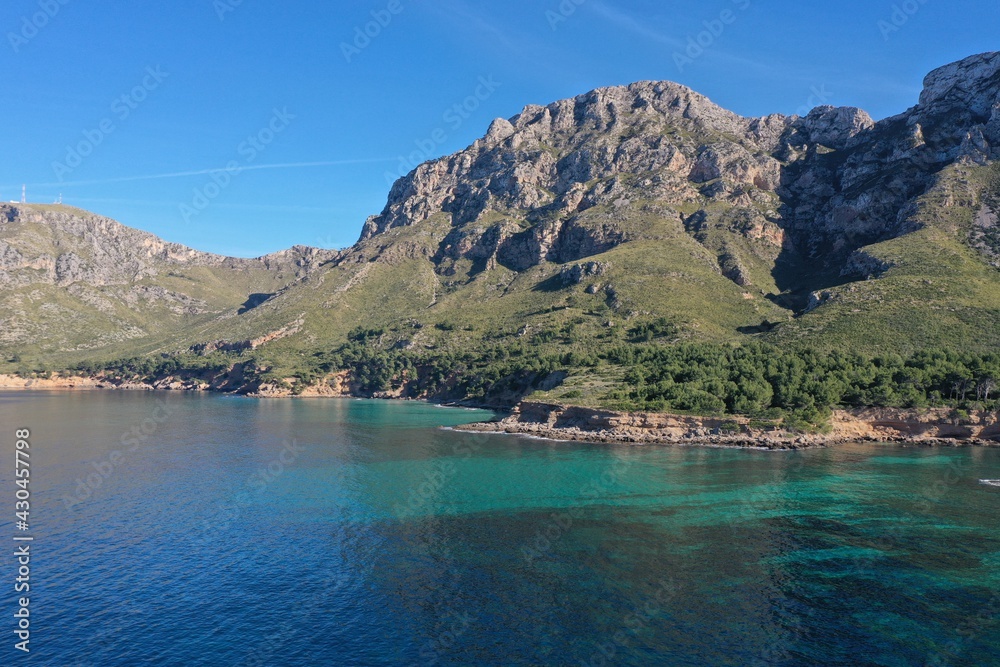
x=934, y=427
x=224, y=383
x=13, y=382
x=929, y=427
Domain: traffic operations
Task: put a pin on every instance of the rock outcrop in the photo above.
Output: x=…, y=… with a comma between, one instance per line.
x=59, y=245
x=72, y=281
x=557, y=183
x=561, y=422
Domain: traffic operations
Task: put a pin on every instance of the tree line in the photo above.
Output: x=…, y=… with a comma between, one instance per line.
x=753, y=379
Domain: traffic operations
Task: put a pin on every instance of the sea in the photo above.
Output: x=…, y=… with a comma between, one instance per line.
x=198, y=529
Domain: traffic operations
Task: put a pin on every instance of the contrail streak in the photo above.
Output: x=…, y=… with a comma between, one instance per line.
x=206, y=172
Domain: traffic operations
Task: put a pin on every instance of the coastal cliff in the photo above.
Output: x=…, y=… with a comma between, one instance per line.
x=572, y=423
x=928, y=427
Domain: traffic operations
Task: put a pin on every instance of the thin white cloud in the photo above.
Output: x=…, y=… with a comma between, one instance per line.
x=72, y=201
x=630, y=23
x=471, y=18
x=204, y=172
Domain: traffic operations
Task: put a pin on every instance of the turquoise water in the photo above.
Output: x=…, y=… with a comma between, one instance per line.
x=231, y=531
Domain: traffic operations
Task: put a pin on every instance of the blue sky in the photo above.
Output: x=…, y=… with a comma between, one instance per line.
x=245, y=126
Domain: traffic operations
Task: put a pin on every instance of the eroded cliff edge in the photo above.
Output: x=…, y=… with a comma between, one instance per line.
x=927, y=427
x=932, y=427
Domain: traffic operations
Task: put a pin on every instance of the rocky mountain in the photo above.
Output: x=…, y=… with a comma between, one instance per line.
x=71, y=281
x=818, y=188
x=627, y=205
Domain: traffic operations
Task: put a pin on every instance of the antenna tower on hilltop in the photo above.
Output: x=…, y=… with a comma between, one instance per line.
x=24, y=194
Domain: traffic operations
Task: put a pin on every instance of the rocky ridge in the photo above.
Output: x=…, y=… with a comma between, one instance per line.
x=62, y=246
x=554, y=183
x=74, y=281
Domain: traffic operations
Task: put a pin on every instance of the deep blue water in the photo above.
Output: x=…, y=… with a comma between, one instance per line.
x=342, y=532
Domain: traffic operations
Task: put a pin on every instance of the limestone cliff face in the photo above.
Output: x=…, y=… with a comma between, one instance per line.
x=610, y=148
x=560, y=422
x=865, y=189
x=547, y=156
x=71, y=280
x=817, y=187
x=59, y=245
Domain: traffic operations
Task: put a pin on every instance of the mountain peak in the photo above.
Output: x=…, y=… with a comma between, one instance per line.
x=835, y=127
x=601, y=108
x=972, y=83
